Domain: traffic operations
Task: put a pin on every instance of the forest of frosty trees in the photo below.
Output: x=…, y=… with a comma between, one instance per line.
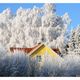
x=28, y=27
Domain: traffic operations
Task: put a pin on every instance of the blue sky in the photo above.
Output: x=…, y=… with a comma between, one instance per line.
x=72, y=9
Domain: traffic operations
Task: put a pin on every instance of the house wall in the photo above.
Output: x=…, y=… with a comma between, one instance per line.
x=45, y=53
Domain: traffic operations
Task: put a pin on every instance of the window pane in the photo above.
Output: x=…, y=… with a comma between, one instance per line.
x=38, y=58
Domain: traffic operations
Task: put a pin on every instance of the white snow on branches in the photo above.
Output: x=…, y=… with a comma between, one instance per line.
x=30, y=26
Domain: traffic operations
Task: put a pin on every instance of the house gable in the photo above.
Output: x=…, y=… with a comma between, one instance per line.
x=42, y=50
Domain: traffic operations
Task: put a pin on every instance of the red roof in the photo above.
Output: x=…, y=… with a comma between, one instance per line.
x=28, y=50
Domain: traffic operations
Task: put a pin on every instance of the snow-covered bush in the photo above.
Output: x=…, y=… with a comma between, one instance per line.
x=71, y=65
x=14, y=65
x=19, y=64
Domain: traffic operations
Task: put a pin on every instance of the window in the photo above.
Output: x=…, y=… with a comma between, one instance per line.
x=38, y=58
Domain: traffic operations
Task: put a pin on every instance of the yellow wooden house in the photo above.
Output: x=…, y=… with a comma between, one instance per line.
x=39, y=52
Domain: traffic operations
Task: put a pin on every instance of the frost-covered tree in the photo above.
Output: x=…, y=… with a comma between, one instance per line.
x=30, y=26
x=74, y=43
